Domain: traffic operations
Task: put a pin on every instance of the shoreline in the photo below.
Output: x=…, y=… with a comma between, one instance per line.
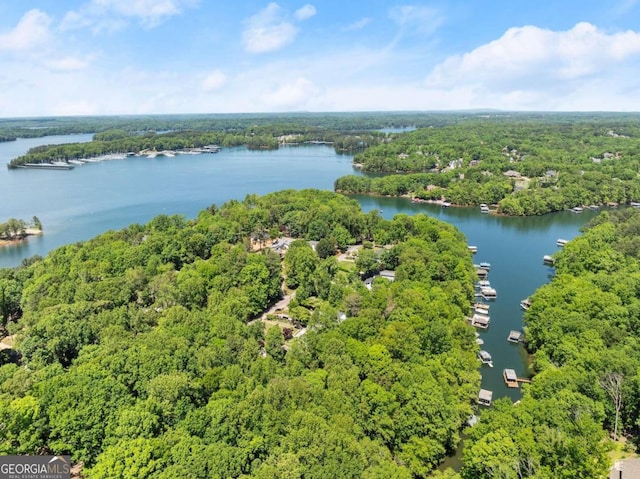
x=16, y=241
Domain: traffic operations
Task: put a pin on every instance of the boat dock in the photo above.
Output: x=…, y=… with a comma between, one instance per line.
x=484, y=397
x=512, y=380
x=479, y=321
x=488, y=293
x=514, y=336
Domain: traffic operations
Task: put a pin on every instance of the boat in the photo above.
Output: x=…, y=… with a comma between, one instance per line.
x=577, y=209
x=525, y=303
x=485, y=265
x=593, y=207
x=546, y=259
x=561, y=242
x=446, y=204
x=473, y=249
x=485, y=358
x=484, y=208
x=510, y=378
x=635, y=204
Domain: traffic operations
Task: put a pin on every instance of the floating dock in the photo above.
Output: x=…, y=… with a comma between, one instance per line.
x=480, y=321
x=510, y=378
x=514, y=336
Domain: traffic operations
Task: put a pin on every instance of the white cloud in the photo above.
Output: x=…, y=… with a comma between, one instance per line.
x=418, y=19
x=294, y=94
x=530, y=58
x=305, y=12
x=214, y=81
x=358, y=24
x=31, y=31
x=533, y=68
x=112, y=14
x=68, y=64
x=268, y=30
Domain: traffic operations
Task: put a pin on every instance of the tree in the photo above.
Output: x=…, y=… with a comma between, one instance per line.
x=325, y=248
x=367, y=262
x=274, y=343
x=612, y=383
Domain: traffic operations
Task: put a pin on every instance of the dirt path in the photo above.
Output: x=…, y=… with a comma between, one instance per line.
x=279, y=306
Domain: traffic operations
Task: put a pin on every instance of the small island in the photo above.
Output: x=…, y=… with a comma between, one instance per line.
x=17, y=230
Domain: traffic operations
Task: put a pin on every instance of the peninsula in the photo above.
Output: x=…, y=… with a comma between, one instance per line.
x=16, y=230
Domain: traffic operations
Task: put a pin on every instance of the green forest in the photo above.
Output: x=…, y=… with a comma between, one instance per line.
x=141, y=352
x=522, y=164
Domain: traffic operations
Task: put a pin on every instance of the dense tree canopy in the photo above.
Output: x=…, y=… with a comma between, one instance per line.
x=141, y=356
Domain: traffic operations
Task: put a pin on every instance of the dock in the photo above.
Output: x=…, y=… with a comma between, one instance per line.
x=484, y=397
x=512, y=380
x=548, y=260
x=479, y=321
x=514, y=336
x=488, y=293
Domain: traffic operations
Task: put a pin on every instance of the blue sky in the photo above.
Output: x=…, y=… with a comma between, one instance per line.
x=87, y=57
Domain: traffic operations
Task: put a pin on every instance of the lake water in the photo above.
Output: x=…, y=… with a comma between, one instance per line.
x=78, y=204
x=81, y=203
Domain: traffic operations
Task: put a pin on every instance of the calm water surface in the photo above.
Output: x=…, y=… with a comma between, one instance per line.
x=79, y=204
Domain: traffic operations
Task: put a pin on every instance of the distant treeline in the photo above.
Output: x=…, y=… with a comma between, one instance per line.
x=525, y=165
x=38, y=127
x=267, y=137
